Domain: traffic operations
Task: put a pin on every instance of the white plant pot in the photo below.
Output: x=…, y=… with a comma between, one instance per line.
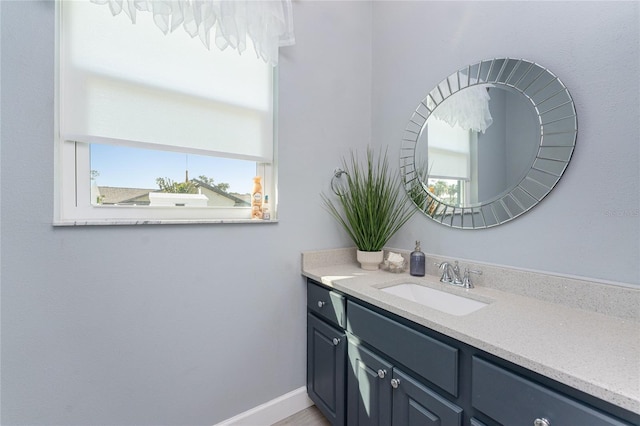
x=370, y=260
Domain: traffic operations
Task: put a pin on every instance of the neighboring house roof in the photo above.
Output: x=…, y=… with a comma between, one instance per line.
x=239, y=202
x=115, y=195
x=140, y=196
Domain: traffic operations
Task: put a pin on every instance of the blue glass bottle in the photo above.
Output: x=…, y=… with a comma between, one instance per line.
x=416, y=262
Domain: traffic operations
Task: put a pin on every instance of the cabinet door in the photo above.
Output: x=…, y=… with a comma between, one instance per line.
x=368, y=388
x=326, y=359
x=415, y=404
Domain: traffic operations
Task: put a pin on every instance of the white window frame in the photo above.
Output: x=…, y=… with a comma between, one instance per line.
x=72, y=183
x=74, y=207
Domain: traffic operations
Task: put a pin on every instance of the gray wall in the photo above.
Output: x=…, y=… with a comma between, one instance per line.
x=167, y=324
x=523, y=134
x=492, y=159
x=589, y=225
x=195, y=324
x=507, y=147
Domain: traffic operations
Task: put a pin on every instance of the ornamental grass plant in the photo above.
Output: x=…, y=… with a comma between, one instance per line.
x=372, y=206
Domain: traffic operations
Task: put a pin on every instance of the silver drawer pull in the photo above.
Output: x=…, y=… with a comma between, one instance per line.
x=541, y=422
x=395, y=383
x=321, y=303
x=336, y=341
x=382, y=373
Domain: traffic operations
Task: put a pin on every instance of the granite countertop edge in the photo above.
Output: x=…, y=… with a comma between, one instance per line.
x=589, y=351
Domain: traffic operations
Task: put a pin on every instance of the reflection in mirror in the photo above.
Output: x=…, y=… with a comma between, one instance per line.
x=488, y=143
x=468, y=166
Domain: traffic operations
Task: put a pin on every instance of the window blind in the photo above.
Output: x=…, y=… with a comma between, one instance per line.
x=449, y=155
x=131, y=85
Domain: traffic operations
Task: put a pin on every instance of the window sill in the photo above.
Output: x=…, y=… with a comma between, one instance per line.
x=111, y=222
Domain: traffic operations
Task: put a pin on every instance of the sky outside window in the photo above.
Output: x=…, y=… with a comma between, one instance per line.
x=127, y=167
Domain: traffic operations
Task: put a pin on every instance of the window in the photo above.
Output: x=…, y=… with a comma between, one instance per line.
x=449, y=160
x=141, y=114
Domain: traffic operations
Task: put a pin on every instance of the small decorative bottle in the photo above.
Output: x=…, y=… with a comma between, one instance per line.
x=416, y=262
x=266, y=214
x=256, y=198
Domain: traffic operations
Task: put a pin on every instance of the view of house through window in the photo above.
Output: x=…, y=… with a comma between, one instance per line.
x=136, y=177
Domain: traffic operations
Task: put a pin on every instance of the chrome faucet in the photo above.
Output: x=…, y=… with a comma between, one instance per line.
x=451, y=274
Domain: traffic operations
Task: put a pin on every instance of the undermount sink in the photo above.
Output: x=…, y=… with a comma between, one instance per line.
x=436, y=299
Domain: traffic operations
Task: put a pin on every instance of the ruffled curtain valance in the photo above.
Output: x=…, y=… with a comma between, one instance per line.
x=268, y=23
x=467, y=108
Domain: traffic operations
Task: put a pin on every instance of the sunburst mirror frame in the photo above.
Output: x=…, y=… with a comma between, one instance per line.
x=556, y=114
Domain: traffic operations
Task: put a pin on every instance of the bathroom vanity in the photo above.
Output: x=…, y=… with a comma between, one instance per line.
x=375, y=358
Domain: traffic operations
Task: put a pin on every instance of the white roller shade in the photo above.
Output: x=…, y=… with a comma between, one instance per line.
x=449, y=155
x=131, y=85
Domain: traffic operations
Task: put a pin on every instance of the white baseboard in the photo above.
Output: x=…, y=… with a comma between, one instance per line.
x=272, y=411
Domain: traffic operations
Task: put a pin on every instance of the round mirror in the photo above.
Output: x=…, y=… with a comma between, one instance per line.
x=488, y=143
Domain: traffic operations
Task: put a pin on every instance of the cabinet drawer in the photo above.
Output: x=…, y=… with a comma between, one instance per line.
x=428, y=357
x=327, y=304
x=513, y=400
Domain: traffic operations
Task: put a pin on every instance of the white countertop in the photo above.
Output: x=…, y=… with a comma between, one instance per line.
x=593, y=352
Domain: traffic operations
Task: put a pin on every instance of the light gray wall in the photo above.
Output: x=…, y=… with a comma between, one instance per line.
x=115, y=325
x=492, y=160
x=589, y=225
x=167, y=324
x=506, y=149
x=523, y=134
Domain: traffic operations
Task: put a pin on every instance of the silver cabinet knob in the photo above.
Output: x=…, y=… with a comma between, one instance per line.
x=395, y=383
x=541, y=422
x=321, y=303
x=336, y=341
x=382, y=373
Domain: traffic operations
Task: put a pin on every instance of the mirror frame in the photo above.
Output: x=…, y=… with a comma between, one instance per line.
x=556, y=114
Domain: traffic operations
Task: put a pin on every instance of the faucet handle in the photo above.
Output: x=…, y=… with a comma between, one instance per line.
x=445, y=272
x=466, y=280
x=456, y=279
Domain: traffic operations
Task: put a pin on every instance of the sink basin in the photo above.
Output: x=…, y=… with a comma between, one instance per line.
x=436, y=299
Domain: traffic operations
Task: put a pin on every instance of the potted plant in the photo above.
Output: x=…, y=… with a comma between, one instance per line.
x=371, y=206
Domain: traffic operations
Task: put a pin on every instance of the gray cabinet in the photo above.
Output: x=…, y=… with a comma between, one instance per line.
x=380, y=394
x=416, y=404
x=327, y=305
x=528, y=401
x=428, y=357
x=369, y=389
x=326, y=359
x=366, y=366
x=326, y=352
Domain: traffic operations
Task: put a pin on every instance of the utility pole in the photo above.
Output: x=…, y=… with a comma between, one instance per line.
x=186, y=166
